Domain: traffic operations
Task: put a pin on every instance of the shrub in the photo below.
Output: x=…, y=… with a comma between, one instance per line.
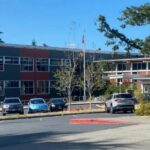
x=143, y=109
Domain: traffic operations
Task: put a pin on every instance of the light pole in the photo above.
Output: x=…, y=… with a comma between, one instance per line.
x=83, y=46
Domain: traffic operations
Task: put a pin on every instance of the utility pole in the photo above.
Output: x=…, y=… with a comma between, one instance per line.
x=83, y=46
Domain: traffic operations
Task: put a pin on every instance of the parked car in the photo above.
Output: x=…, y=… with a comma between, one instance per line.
x=12, y=105
x=147, y=96
x=57, y=104
x=37, y=105
x=120, y=101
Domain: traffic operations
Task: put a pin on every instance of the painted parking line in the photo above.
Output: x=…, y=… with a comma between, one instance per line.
x=98, y=121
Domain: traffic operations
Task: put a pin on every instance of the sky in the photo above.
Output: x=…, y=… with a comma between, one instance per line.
x=62, y=23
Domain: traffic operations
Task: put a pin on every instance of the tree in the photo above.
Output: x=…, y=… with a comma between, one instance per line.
x=33, y=43
x=93, y=76
x=133, y=16
x=1, y=41
x=66, y=79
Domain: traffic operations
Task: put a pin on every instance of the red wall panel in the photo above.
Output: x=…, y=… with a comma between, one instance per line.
x=34, y=53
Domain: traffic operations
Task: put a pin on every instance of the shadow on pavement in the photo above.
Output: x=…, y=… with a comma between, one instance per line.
x=51, y=140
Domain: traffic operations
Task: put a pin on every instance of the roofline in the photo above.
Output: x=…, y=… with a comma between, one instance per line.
x=59, y=48
x=125, y=60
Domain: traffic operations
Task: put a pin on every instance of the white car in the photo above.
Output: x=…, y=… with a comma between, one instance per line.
x=120, y=101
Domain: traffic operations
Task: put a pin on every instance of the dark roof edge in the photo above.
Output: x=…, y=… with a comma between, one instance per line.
x=58, y=48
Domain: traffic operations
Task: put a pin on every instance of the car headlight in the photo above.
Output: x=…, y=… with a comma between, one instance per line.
x=6, y=106
x=53, y=105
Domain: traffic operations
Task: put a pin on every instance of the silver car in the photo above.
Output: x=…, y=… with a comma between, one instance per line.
x=120, y=101
x=12, y=105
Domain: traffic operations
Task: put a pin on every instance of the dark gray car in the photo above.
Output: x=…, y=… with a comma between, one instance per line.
x=57, y=104
x=12, y=105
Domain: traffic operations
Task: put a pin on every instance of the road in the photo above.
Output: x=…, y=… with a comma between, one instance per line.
x=57, y=133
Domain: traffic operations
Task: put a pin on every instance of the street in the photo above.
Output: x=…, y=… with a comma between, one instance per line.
x=58, y=133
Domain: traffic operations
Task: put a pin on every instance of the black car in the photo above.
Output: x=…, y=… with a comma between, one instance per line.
x=57, y=104
x=12, y=105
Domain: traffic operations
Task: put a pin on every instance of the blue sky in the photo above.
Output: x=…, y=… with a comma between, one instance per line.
x=61, y=23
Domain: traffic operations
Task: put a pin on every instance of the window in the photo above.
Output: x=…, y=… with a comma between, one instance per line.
x=27, y=87
x=43, y=87
x=111, y=67
x=139, y=66
x=1, y=64
x=1, y=88
x=55, y=62
x=26, y=64
x=67, y=62
x=42, y=64
x=11, y=84
x=149, y=65
x=121, y=67
x=11, y=60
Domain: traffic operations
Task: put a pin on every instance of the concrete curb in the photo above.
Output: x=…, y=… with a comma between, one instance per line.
x=50, y=114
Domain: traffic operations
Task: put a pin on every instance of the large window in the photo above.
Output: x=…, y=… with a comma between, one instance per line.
x=139, y=66
x=11, y=84
x=56, y=62
x=11, y=60
x=121, y=67
x=1, y=64
x=1, y=88
x=26, y=64
x=111, y=67
x=60, y=62
x=27, y=87
x=42, y=64
x=42, y=87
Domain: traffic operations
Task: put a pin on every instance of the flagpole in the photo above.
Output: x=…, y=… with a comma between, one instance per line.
x=83, y=44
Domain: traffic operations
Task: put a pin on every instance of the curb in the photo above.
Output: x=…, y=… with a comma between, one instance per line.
x=29, y=116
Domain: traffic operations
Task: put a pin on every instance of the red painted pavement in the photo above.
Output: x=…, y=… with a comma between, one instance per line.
x=97, y=121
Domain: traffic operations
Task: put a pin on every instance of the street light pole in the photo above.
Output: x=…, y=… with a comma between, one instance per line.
x=83, y=45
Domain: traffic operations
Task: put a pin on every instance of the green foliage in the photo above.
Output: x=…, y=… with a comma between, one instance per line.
x=134, y=16
x=94, y=74
x=1, y=41
x=139, y=95
x=143, y=109
x=112, y=88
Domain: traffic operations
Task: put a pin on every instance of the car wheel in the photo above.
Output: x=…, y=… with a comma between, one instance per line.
x=106, y=109
x=4, y=114
x=30, y=111
x=112, y=110
x=51, y=110
x=21, y=113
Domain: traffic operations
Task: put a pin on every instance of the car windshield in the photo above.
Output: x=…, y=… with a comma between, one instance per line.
x=15, y=100
x=37, y=101
x=57, y=101
x=123, y=96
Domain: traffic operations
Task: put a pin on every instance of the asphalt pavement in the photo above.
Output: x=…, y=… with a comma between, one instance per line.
x=57, y=133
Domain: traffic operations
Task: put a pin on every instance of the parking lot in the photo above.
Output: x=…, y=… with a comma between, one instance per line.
x=58, y=133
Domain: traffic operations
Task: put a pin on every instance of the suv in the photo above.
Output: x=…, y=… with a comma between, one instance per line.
x=12, y=105
x=120, y=101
